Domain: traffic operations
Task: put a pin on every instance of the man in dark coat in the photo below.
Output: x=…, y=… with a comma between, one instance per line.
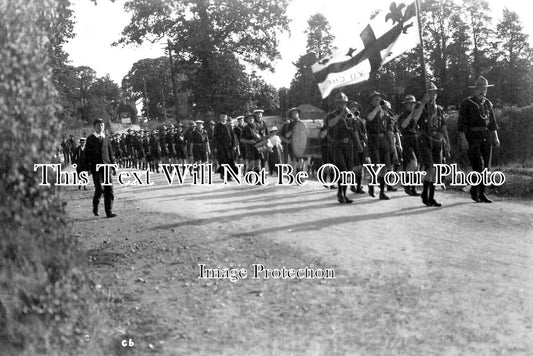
x=99, y=151
x=432, y=140
x=478, y=131
x=80, y=159
x=224, y=144
x=238, y=133
x=340, y=141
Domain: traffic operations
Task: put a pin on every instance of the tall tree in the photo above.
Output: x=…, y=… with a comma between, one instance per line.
x=479, y=22
x=459, y=61
x=319, y=36
x=442, y=20
x=513, y=69
x=303, y=87
x=204, y=32
x=149, y=79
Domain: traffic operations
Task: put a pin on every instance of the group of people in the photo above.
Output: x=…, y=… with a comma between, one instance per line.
x=416, y=139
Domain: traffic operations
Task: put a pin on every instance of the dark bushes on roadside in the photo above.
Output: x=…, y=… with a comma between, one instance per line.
x=46, y=302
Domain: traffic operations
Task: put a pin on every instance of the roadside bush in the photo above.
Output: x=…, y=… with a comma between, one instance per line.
x=515, y=133
x=46, y=302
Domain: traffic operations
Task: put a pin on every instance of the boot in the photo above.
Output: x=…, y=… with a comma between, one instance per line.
x=371, y=190
x=431, y=197
x=340, y=196
x=390, y=188
x=346, y=200
x=414, y=192
x=95, y=207
x=352, y=188
x=359, y=189
x=407, y=190
x=482, y=197
x=382, y=194
x=425, y=193
x=474, y=193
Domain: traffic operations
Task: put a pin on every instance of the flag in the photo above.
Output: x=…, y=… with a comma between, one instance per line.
x=389, y=34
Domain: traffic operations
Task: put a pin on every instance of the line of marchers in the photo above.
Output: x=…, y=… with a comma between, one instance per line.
x=260, y=272
x=202, y=174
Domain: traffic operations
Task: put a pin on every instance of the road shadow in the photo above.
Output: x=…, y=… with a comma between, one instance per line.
x=309, y=225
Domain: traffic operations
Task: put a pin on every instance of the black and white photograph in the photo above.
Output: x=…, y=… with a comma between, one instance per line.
x=266, y=177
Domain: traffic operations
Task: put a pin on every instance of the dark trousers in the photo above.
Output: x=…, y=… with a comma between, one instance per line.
x=480, y=155
x=226, y=156
x=380, y=150
x=430, y=153
x=480, y=152
x=410, y=149
x=98, y=179
x=342, y=155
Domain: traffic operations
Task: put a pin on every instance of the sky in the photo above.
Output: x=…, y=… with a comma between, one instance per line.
x=98, y=26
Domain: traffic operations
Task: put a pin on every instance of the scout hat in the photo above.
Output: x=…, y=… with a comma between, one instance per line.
x=83, y=139
x=377, y=93
x=238, y=118
x=259, y=111
x=289, y=112
x=192, y=123
x=274, y=128
x=409, y=99
x=199, y=122
x=481, y=82
x=211, y=123
x=249, y=116
x=430, y=87
x=341, y=98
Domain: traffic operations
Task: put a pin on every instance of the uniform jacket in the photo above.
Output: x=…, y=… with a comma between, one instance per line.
x=98, y=151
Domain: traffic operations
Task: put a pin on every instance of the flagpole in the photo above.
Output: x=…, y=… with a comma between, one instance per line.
x=422, y=58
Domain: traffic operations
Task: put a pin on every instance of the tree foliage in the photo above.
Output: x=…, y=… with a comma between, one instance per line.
x=319, y=45
x=211, y=39
x=460, y=43
x=45, y=300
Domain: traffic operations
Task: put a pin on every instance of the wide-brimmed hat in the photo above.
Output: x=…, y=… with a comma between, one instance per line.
x=341, y=98
x=289, y=112
x=198, y=122
x=274, y=128
x=431, y=87
x=376, y=93
x=354, y=103
x=98, y=121
x=241, y=117
x=481, y=82
x=409, y=99
x=259, y=111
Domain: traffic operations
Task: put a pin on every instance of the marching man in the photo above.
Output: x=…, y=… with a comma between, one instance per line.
x=432, y=140
x=478, y=132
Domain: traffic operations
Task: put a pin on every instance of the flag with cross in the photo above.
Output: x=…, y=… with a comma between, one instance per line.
x=388, y=35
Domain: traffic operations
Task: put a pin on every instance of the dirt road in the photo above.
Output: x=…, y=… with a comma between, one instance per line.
x=409, y=279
